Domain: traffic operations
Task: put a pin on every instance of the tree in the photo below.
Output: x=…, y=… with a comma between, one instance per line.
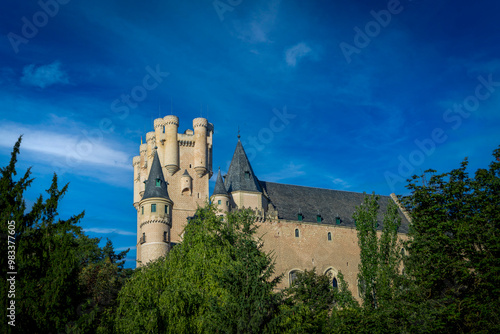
x=454, y=247
x=217, y=280
x=51, y=257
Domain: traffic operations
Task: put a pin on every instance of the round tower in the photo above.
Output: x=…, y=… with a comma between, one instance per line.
x=200, y=145
x=159, y=125
x=155, y=216
x=220, y=198
x=136, y=162
x=171, y=161
x=151, y=142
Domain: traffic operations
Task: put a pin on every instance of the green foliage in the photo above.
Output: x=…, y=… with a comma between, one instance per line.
x=53, y=260
x=311, y=299
x=378, y=274
x=217, y=280
x=454, y=247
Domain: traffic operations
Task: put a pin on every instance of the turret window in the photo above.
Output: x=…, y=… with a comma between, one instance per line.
x=297, y=233
x=142, y=210
x=337, y=220
x=300, y=217
x=329, y=236
x=219, y=202
x=247, y=175
x=166, y=209
x=153, y=207
x=319, y=218
x=158, y=182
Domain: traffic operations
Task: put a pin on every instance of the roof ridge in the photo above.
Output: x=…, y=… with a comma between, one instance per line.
x=296, y=185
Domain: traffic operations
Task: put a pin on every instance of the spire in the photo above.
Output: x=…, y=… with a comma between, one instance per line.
x=219, y=188
x=240, y=175
x=155, y=184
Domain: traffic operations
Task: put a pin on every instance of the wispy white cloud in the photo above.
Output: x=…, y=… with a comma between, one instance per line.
x=109, y=231
x=258, y=27
x=44, y=75
x=338, y=182
x=297, y=52
x=70, y=149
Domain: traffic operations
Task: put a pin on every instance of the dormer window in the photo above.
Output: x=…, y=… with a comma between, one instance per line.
x=300, y=217
x=158, y=182
x=337, y=220
x=247, y=175
x=319, y=218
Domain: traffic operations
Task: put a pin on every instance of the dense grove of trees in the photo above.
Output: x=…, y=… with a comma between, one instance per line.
x=444, y=278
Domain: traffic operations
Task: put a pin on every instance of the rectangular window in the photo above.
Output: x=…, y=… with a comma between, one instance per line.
x=247, y=175
x=300, y=217
x=318, y=218
x=158, y=182
x=153, y=207
x=219, y=202
x=166, y=208
x=142, y=210
x=337, y=220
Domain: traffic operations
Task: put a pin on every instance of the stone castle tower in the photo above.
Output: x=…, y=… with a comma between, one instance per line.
x=170, y=180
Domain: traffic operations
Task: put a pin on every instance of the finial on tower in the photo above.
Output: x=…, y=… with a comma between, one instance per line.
x=239, y=132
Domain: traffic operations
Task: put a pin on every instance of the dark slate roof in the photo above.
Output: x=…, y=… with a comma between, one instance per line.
x=289, y=200
x=219, y=188
x=240, y=175
x=155, y=173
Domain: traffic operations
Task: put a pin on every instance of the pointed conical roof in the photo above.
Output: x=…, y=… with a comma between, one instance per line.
x=219, y=188
x=240, y=175
x=155, y=188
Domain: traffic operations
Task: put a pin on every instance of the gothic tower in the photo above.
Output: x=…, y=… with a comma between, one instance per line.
x=154, y=216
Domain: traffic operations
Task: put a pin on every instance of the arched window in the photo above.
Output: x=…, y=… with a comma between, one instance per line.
x=297, y=233
x=329, y=236
x=334, y=283
x=292, y=277
x=332, y=274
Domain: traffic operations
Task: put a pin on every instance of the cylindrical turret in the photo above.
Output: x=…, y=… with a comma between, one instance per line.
x=159, y=125
x=136, y=161
x=154, y=223
x=221, y=202
x=171, y=160
x=200, y=145
x=143, y=168
x=151, y=142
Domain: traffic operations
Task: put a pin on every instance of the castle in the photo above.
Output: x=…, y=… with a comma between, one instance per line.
x=305, y=227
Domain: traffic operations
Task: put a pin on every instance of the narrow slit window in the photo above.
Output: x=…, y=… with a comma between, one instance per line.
x=297, y=233
x=142, y=210
x=166, y=209
x=329, y=236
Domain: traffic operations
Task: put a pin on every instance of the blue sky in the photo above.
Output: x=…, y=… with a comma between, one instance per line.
x=349, y=95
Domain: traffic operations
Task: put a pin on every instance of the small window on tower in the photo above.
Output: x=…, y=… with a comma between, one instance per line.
x=329, y=236
x=247, y=175
x=163, y=129
x=318, y=218
x=166, y=208
x=337, y=220
x=219, y=202
x=297, y=233
x=153, y=207
x=158, y=182
x=227, y=203
x=300, y=217
x=142, y=210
